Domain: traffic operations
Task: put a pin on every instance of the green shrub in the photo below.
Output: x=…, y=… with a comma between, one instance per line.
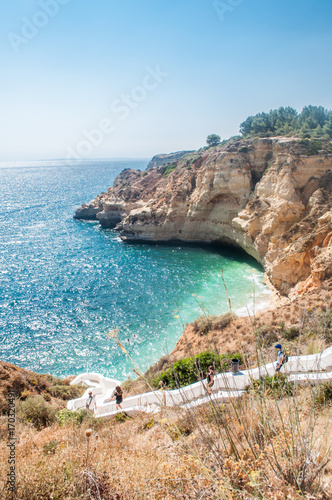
x=149, y=424
x=122, y=417
x=213, y=140
x=220, y=363
x=182, y=373
x=169, y=169
x=313, y=121
x=35, y=410
x=312, y=146
x=190, y=370
x=194, y=159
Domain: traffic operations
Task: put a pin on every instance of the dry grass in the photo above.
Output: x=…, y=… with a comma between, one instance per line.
x=254, y=447
x=129, y=460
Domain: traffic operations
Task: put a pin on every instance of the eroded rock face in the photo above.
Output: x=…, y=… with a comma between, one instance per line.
x=88, y=211
x=263, y=195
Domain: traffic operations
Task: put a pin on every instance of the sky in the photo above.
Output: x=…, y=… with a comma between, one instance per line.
x=134, y=78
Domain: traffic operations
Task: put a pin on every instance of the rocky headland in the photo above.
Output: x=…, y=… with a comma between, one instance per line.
x=272, y=197
x=163, y=159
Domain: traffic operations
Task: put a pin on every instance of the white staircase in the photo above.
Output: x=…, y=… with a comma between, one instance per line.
x=314, y=368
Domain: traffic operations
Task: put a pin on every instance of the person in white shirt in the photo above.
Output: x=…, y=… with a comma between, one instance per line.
x=91, y=402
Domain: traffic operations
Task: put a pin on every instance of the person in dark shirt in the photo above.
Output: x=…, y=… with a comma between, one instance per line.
x=210, y=379
x=118, y=396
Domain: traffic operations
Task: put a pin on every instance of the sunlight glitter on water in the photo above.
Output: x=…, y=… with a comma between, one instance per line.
x=66, y=283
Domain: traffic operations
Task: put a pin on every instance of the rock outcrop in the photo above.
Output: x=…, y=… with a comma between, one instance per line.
x=267, y=196
x=163, y=159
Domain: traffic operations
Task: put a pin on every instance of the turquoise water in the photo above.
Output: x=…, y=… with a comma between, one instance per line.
x=66, y=283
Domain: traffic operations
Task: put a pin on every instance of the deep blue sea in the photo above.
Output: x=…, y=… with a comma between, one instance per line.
x=65, y=283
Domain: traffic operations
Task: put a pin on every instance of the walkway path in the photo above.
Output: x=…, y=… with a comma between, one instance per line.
x=314, y=368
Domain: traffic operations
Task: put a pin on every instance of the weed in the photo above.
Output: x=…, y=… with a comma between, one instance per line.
x=323, y=394
x=50, y=447
x=65, y=416
x=291, y=333
x=204, y=324
x=121, y=417
x=276, y=386
x=179, y=428
x=148, y=424
x=65, y=392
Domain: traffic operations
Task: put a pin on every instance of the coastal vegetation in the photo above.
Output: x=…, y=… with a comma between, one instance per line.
x=213, y=140
x=311, y=122
x=169, y=169
x=189, y=370
x=28, y=386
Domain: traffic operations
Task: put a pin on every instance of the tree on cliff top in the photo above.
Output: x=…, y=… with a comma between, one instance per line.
x=313, y=121
x=213, y=140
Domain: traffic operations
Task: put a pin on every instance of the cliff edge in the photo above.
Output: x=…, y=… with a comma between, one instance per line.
x=272, y=197
x=163, y=159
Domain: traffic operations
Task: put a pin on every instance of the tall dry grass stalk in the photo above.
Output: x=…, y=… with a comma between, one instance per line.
x=273, y=442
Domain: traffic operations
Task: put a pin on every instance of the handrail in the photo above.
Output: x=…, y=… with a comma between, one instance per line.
x=298, y=368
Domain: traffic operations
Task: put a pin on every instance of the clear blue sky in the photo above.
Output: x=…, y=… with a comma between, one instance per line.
x=74, y=66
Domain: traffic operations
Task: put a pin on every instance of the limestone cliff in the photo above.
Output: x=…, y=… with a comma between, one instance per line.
x=267, y=196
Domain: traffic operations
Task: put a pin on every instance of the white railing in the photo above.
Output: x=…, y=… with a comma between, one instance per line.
x=226, y=385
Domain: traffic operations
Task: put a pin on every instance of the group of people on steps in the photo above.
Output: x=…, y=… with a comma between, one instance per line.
x=117, y=395
x=118, y=392
x=281, y=358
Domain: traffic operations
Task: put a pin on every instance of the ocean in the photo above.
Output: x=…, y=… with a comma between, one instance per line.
x=66, y=283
